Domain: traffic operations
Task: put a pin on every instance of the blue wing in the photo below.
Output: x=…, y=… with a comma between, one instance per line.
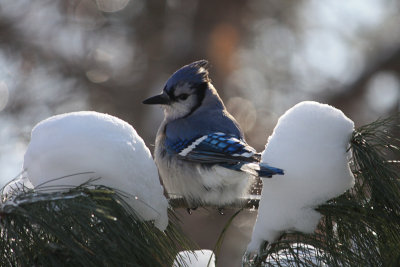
x=223, y=149
x=214, y=148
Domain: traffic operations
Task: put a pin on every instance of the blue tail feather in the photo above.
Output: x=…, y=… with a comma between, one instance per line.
x=256, y=169
x=267, y=171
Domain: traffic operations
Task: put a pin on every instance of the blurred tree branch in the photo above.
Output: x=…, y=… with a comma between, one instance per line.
x=346, y=98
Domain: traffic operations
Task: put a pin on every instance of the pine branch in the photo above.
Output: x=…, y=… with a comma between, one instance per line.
x=250, y=202
x=83, y=227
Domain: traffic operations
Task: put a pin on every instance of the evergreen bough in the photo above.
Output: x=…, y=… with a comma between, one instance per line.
x=83, y=226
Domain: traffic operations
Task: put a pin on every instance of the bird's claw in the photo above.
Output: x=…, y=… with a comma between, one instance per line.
x=221, y=211
x=189, y=210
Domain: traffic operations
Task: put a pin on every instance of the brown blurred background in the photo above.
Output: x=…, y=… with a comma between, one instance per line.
x=265, y=56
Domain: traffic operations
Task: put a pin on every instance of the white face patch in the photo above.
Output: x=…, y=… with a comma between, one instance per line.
x=181, y=107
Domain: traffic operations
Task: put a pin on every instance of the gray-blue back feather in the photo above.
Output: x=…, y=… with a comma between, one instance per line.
x=202, y=122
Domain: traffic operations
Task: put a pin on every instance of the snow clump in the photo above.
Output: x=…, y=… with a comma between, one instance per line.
x=310, y=144
x=74, y=148
x=196, y=258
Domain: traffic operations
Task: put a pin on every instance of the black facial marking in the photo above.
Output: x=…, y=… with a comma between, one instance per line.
x=170, y=92
x=182, y=96
x=200, y=91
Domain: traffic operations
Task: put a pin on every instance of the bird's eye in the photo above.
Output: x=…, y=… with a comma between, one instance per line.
x=183, y=96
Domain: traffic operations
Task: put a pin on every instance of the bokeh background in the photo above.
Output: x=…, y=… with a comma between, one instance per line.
x=58, y=56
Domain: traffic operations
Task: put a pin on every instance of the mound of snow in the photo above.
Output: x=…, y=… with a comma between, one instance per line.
x=310, y=144
x=70, y=149
x=197, y=258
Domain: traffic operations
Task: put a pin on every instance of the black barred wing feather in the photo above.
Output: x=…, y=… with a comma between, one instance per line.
x=214, y=148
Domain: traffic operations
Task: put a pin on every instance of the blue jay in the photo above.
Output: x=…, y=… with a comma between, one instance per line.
x=200, y=150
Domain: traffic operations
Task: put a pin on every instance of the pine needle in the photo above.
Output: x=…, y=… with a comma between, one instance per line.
x=221, y=237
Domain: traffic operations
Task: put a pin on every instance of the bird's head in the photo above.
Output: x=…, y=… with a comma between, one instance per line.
x=184, y=91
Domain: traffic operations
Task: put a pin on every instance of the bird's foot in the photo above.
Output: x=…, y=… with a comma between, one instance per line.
x=189, y=210
x=221, y=211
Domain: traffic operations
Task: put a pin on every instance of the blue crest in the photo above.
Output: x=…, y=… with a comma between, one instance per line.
x=194, y=73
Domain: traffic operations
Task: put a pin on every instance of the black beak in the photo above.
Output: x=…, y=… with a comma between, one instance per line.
x=162, y=99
